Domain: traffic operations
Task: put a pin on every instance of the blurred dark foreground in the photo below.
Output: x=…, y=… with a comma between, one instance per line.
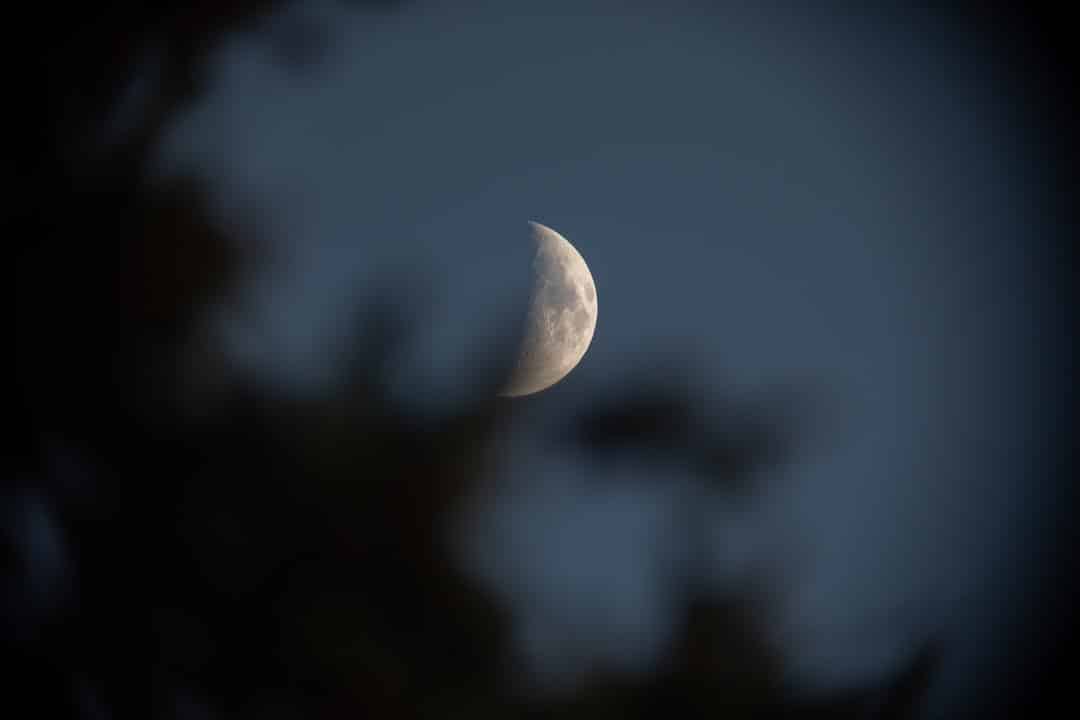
x=243, y=554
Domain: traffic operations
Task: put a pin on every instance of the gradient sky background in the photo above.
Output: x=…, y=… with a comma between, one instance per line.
x=851, y=198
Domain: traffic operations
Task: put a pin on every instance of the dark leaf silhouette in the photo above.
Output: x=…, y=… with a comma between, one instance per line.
x=257, y=555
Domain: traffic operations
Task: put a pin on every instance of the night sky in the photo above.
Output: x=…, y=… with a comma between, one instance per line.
x=850, y=201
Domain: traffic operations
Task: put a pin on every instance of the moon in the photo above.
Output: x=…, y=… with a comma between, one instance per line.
x=561, y=316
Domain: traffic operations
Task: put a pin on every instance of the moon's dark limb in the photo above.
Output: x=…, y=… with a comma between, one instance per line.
x=561, y=318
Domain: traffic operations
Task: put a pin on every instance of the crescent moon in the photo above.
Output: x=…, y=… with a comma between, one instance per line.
x=561, y=317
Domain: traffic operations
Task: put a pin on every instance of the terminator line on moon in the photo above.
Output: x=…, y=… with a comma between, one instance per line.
x=561, y=316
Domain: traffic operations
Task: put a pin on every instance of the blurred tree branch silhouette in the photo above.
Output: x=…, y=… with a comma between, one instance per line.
x=285, y=555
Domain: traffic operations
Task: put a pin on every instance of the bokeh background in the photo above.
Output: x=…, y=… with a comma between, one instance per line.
x=811, y=466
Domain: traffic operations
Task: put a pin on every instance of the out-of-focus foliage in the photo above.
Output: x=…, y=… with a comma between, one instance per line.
x=253, y=555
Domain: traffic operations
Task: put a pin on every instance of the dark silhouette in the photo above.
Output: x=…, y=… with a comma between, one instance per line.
x=253, y=555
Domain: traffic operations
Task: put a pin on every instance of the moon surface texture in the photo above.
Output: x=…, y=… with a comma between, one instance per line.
x=561, y=316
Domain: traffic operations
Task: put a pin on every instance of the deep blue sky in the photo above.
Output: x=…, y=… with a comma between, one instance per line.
x=846, y=198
